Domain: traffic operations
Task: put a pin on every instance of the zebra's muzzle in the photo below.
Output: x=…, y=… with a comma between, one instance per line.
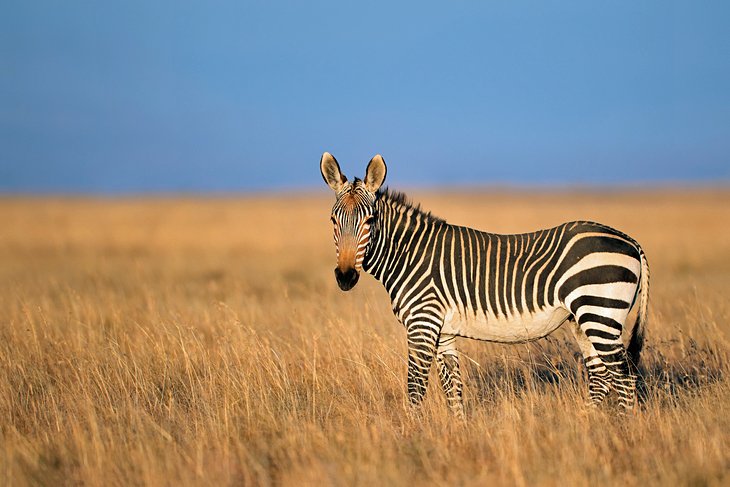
x=347, y=279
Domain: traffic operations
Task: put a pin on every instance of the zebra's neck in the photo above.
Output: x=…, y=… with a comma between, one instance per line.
x=397, y=223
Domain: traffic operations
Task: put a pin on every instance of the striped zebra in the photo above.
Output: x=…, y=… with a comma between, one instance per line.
x=446, y=281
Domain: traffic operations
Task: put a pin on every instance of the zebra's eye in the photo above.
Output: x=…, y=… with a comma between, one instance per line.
x=369, y=219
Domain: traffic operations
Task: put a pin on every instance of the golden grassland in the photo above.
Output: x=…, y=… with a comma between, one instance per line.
x=204, y=341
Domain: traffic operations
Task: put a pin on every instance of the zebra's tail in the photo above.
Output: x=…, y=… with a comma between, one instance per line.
x=636, y=343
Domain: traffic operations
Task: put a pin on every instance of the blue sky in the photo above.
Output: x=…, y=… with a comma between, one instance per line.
x=127, y=97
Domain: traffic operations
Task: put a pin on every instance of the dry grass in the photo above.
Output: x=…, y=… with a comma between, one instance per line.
x=196, y=341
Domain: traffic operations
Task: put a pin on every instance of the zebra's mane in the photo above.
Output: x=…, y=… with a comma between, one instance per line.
x=398, y=199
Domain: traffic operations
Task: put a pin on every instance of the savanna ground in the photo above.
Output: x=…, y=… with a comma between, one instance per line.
x=205, y=342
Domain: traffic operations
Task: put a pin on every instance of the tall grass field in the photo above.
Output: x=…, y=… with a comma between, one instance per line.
x=204, y=341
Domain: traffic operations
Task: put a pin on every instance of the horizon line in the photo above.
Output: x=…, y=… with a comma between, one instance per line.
x=546, y=187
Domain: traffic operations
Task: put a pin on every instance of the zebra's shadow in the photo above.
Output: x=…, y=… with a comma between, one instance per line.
x=514, y=373
x=675, y=368
x=670, y=369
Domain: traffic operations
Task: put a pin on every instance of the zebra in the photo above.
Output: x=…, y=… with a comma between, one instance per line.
x=447, y=281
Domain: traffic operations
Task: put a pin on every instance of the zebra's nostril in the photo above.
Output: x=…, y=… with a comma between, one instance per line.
x=346, y=280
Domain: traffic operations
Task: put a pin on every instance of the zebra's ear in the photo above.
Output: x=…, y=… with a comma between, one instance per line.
x=331, y=172
x=375, y=173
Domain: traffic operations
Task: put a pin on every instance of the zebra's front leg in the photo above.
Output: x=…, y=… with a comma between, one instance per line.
x=450, y=373
x=422, y=340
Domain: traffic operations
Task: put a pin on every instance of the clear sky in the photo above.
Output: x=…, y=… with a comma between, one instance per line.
x=118, y=97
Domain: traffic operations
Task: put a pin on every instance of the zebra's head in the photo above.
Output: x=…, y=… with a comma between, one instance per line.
x=352, y=215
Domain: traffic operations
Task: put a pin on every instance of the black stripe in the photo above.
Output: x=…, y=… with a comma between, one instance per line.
x=606, y=347
x=618, y=356
x=601, y=334
x=510, y=267
x=483, y=277
x=459, y=256
x=500, y=288
x=517, y=284
x=603, y=274
x=471, y=264
x=493, y=256
x=604, y=320
x=448, y=285
x=597, y=301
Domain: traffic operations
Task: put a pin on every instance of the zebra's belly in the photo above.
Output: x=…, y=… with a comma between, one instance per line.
x=511, y=329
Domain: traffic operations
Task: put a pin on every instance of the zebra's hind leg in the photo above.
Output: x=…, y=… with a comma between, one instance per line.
x=599, y=379
x=604, y=334
x=447, y=359
x=623, y=380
